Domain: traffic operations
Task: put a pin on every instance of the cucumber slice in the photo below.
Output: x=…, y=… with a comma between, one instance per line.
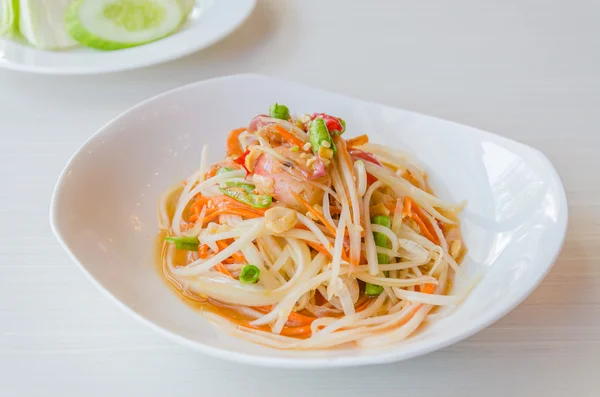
x=118, y=24
x=41, y=22
x=9, y=17
x=186, y=7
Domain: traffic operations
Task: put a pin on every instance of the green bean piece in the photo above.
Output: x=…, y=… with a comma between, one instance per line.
x=253, y=200
x=381, y=240
x=318, y=133
x=184, y=242
x=278, y=111
x=373, y=290
x=249, y=274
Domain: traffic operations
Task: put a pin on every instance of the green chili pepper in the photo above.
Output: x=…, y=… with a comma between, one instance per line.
x=224, y=169
x=253, y=200
x=248, y=187
x=249, y=274
x=381, y=241
x=278, y=111
x=184, y=243
x=318, y=133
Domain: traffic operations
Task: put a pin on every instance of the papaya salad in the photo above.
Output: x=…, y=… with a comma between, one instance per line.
x=301, y=239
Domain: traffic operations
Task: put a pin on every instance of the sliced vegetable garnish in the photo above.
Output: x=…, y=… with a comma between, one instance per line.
x=278, y=111
x=186, y=7
x=381, y=241
x=250, y=274
x=248, y=187
x=361, y=154
x=334, y=124
x=241, y=159
x=42, y=24
x=118, y=24
x=9, y=17
x=184, y=242
x=318, y=134
x=253, y=200
x=373, y=290
x=224, y=169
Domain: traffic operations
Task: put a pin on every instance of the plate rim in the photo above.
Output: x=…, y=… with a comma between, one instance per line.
x=322, y=362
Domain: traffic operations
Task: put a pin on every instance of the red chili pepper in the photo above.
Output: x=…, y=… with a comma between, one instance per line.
x=241, y=160
x=332, y=123
x=361, y=154
x=371, y=179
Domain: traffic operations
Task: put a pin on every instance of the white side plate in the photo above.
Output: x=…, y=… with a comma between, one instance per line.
x=209, y=21
x=104, y=207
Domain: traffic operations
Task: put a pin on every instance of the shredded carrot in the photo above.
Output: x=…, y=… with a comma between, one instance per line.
x=222, y=269
x=322, y=249
x=303, y=331
x=413, y=211
x=233, y=144
x=429, y=289
x=222, y=245
x=316, y=213
x=232, y=211
x=357, y=141
x=363, y=305
x=333, y=210
x=200, y=202
x=408, y=176
x=288, y=136
x=293, y=317
x=425, y=224
x=423, y=227
x=407, y=210
x=318, y=247
x=237, y=256
x=301, y=318
x=391, y=206
x=203, y=251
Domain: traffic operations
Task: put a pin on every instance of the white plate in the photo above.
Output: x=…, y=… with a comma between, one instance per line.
x=209, y=21
x=104, y=207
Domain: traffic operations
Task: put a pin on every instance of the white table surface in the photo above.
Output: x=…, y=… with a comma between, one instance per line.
x=528, y=70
